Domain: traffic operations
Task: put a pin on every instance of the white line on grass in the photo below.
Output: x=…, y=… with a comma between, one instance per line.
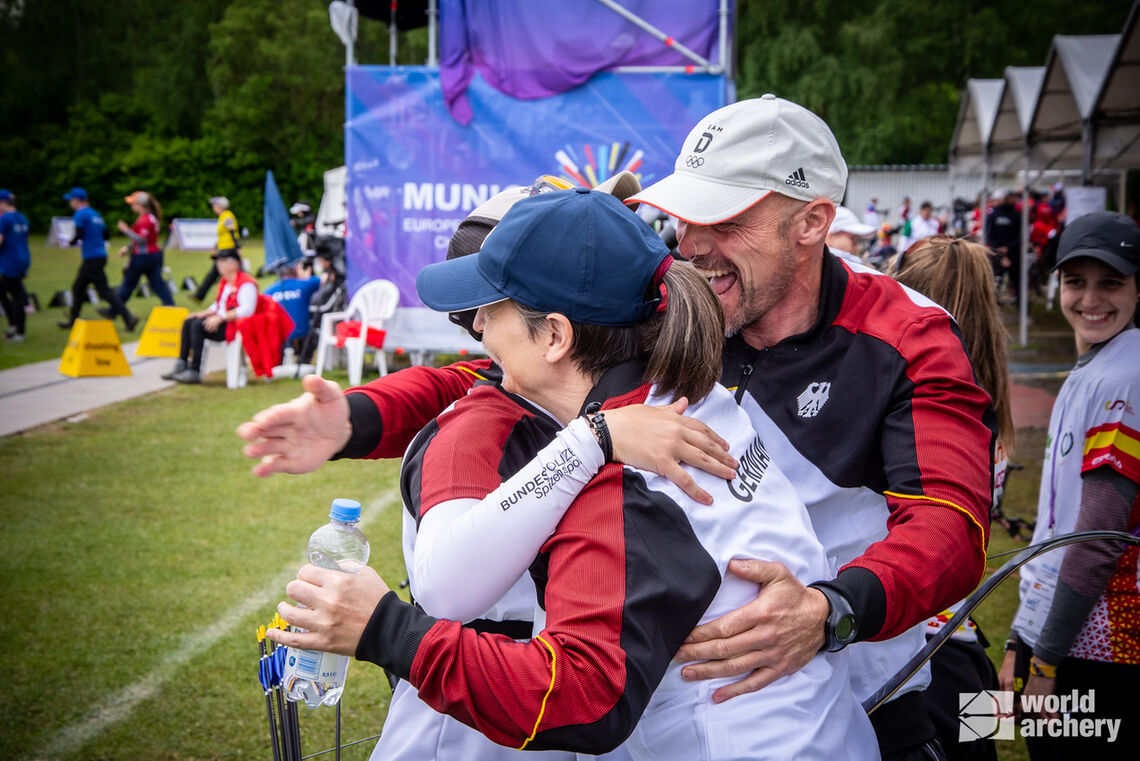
x=118, y=706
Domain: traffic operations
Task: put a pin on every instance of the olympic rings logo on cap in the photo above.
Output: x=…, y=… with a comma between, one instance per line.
x=694, y=161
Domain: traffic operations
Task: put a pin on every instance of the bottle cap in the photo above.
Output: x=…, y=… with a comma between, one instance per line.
x=345, y=510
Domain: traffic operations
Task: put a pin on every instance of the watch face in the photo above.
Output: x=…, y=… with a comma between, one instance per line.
x=845, y=628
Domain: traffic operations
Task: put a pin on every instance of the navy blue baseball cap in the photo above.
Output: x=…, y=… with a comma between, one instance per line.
x=6, y=195
x=578, y=252
x=77, y=193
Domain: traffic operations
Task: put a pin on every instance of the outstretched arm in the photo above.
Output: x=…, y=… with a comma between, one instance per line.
x=371, y=421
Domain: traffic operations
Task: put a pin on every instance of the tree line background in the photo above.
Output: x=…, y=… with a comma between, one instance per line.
x=194, y=99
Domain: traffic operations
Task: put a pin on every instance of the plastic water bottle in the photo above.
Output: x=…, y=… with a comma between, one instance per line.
x=310, y=675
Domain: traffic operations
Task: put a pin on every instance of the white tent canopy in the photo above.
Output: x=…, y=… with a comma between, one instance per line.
x=1015, y=109
x=971, y=138
x=1061, y=130
x=1081, y=111
x=1116, y=115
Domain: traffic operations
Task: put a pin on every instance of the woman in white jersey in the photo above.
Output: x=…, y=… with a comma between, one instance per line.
x=1077, y=629
x=579, y=305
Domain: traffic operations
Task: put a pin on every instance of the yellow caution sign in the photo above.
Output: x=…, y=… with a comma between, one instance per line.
x=93, y=348
x=163, y=332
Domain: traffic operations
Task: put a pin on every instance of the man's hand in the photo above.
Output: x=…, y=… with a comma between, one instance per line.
x=773, y=636
x=301, y=435
x=337, y=608
x=659, y=439
x=1039, y=685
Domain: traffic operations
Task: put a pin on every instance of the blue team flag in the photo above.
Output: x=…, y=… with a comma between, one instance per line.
x=280, y=238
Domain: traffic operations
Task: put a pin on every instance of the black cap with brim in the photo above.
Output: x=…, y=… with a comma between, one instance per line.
x=229, y=253
x=1118, y=263
x=1107, y=236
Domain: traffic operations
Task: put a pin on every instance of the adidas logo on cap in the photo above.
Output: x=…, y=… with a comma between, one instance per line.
x=797, y=179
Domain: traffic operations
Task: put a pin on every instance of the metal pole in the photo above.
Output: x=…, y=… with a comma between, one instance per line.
x=985, y=189
x=1023, y=296
x=350, y=46
x=1122, y=194
x=392, y=41
x=433, y=30
x=646, y=26
x=722, y=34
x=725, y=52
x=1087, y=138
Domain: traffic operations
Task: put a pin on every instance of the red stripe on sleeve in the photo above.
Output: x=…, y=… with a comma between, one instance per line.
x=412, y=398
x=934, y=552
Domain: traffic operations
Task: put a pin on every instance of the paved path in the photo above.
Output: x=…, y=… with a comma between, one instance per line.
x=31, y=395
x=1031, y=406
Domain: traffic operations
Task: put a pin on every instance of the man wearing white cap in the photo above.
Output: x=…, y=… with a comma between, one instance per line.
x=864, y=386
x=846, y=235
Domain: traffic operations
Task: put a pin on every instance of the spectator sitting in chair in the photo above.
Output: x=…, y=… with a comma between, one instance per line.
x=237, y=298
x=294, y=292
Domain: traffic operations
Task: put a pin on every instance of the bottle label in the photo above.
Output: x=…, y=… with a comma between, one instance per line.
x=315, y=665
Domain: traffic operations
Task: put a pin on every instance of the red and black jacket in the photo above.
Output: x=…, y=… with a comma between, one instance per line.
x=623, y=580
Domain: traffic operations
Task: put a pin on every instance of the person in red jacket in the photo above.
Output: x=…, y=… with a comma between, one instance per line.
x=237, y=298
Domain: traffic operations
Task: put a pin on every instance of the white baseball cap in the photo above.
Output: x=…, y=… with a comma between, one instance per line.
x=846, y=222
x=739, y=154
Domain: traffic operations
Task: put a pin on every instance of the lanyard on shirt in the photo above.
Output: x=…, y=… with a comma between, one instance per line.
x=1053, y=472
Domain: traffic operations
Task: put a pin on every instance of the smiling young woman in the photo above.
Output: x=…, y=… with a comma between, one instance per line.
x=1097, y=300
x=1078, y=626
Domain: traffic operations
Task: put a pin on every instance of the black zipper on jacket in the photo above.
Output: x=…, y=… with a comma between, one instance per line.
x=745, y=374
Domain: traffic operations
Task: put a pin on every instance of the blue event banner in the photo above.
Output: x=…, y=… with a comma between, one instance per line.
x=414, y=172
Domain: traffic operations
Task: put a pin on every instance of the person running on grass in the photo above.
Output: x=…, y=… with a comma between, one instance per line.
x=91, y=231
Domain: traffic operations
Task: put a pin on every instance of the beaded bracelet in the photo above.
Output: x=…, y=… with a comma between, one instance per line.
x=596, y=419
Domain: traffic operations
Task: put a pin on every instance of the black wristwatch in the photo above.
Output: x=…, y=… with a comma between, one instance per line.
x=841, y=626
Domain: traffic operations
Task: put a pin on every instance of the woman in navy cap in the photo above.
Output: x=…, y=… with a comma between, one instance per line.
x=584, y=310
x=1077, y=629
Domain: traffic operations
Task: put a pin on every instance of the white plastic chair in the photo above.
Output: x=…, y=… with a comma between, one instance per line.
x=374, y=303
x=235, y=361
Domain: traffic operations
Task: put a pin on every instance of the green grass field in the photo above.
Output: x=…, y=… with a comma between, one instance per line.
x=141, y=555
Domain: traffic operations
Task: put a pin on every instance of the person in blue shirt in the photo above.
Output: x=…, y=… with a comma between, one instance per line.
x=90, y=229
x=14, y=262
x=294, y=292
